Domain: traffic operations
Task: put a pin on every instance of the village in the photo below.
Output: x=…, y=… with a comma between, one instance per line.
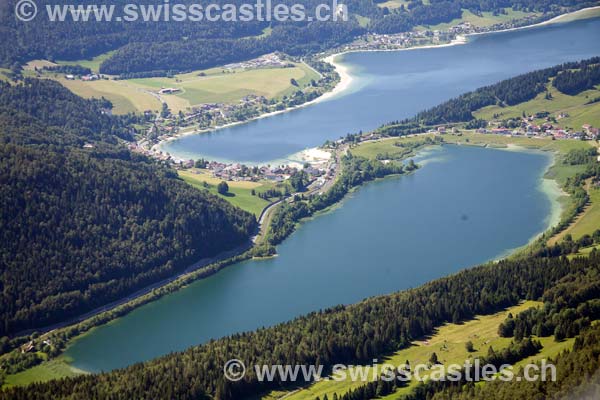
x=429, y=36
x=527, y=126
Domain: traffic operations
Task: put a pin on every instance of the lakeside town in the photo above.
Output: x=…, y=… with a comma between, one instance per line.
x=424, y=37
x=320, y=166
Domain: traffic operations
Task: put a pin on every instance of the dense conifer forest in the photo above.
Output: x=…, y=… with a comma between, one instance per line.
x=158, y=47
x=85, y=222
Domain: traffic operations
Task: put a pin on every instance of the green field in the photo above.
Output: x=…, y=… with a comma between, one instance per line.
x=589, y=220
x=93, y=63
x=391, y=4
x=578, y=15
x=124, y=96
x=53, y=369
x=3, y=72
x=448, y=342
x=579, y=112
x=209, y=86
x=240, y=193
x=387, y=147
x=584, y=252
x=363, y=21
x=486, y=19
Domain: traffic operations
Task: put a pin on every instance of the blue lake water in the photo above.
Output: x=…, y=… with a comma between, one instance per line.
x=393, y=85
x=465, y=206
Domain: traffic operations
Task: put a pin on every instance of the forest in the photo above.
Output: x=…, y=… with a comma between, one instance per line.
x=343, y=334
x=574, y=82
x=85, y=222
x=155, y=48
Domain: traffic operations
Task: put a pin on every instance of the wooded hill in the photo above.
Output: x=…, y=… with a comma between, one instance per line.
x=156, y=48
x=83, y=221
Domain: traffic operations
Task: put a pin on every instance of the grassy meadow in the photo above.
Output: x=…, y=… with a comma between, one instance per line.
x=483, y=20
x=392, y=4
x=587, y=222
x=52, y=369
x=387, y=146
x=579, y=113
x=209, y=86
x=240, y=193
x=448, y=342
x=93, y=63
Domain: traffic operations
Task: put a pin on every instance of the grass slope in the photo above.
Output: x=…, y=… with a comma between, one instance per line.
x=579, y=112
x=588, y=221
x=483, y=20
x=240, y=193
x=209, y=86
x=93, y=64
x=52, y=369
x=448, y=343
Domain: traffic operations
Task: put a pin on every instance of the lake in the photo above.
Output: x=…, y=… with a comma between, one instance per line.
x=465, y=206
x=395, y=85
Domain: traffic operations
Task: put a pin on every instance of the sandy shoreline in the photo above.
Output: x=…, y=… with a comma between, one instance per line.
x=346, y=77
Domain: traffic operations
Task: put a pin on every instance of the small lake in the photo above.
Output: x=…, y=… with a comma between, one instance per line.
x=388, y=86
x=465, y=205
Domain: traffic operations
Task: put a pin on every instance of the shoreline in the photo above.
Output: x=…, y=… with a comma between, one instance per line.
x=346, y=78
x=546, y=185
x=551, y=21
x=343, y=85
x=343, y=88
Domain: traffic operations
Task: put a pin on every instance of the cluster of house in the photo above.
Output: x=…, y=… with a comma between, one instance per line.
x=223, y=110
x=30, y=346
x=237, y=171
x=387, y=41
x=546, y=129
x=272, y=60
x=240, y=172
x=85, y=78
x=409, y=39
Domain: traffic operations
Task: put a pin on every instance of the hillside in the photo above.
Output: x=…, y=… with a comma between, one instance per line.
x=476, y=109
x=84, y=222
x=153, y=49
